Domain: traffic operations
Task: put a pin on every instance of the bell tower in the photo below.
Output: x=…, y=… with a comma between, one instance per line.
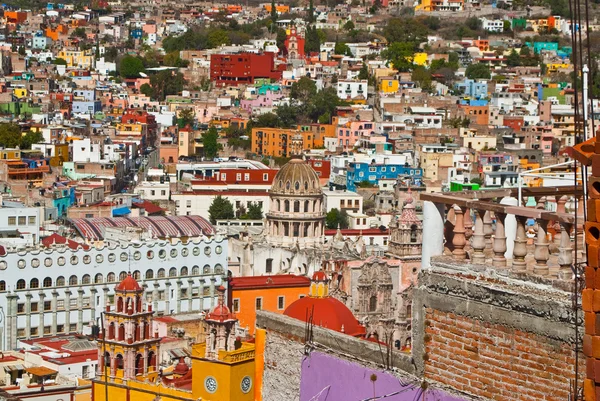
x=127, y=348
x=220, y=326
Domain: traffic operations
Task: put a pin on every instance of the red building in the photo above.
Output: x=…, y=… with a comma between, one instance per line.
x=242, y=68
x=322, y=167
x=514, y=122
x=294, y=44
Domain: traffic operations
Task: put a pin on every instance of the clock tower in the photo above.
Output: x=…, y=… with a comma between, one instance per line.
x=127, y=344
x=227, y=364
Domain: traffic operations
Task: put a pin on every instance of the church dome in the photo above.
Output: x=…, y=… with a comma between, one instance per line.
x=327, y=312
x=296, y=178
x=128, y=284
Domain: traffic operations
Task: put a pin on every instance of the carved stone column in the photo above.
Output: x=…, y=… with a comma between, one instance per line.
x=478, y=242
x=80, y=310
x=520, y=249
x=54, y=312
x=541, y=253
x=28, y=297
x=499, y=242
x=178, y=307
x=190, y=295
x=67, y=310
x=42, y=297
x=458, y=239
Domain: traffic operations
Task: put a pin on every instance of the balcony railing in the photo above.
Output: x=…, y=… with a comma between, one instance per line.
x=490, y=228
x=19, y=171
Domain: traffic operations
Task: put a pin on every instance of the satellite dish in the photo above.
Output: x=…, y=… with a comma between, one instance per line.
x=143, y=75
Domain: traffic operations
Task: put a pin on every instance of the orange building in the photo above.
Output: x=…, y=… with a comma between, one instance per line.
x=479, y=115
x=54, y=33
x=270, y=293
x=482, y=44
x=288, y=142
x=15, y=17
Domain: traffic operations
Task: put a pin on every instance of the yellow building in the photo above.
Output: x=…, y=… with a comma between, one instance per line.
x=420, y=59
x=222, y=368
x=20, y=93
x=555, y=67
x=389, y=85
x=77, y=58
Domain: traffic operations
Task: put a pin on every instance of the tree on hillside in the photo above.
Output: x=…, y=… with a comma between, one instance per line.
x=400, y=55
x=273, y=12
x=165, y=83
x=10, y=135
x=220, y=209
x=364, y=71
x=210, y=142
x=312, y=42
x=30, y=138
x=303, y=89
x=513, y=59
x=186, y=117
x=422, y=77
x=130, y=67
x=478, y=71
x=335, y=219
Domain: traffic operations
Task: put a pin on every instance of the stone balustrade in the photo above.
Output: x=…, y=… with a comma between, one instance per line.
x=489, y=227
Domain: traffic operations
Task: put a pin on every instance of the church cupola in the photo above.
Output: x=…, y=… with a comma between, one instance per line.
x=220, y=326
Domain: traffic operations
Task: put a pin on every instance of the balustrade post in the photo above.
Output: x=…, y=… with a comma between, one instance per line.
x=499, y=260
x=541, y=253
x=565, y=252
x=459, y=240
x=520, y=248
x=468, y=228
x=487, y=229
x=478, y=243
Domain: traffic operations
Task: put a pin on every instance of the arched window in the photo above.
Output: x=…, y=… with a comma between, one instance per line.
x=60, y=281
x=86, y=279
x=286, y=229
x=110, y=278
x=161, y=273
x=286, y=205
x=120, y=304
x=21, y=284
x=195, y=271
x=184, y=271
x=136, y=274
x=2, y=285
x=296, y=206
x=373, y=304
x=149, y=274
x=98, y=278
x=47, y=282
x=172, y=272
x=73, y=280
x=34, y=283
x=413, y=233
x=278, y=205
x=122, y=332
x=206, y=269
x=306, y=206
x=119, y=358
x=122, y=276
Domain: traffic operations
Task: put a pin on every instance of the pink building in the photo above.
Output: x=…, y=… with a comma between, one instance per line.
x=260, y=101
x=352, y=131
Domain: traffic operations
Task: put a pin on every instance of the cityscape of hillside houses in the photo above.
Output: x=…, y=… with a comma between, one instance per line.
x=299, y=200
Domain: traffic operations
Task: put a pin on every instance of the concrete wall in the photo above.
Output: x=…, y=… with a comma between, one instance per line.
x=295, y=371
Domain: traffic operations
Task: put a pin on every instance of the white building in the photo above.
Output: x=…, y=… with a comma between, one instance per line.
x=492, y=25
x=352, y=90
x=25, y=220
x=342, y=200
x=153, y=190
x=62, y=289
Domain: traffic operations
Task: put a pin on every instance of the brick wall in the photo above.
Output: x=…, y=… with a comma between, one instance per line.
x=496, y=361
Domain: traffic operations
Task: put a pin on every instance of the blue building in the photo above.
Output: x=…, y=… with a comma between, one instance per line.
x=63, y=198
x=84, y=101
x=372, y=173
x=471, y=88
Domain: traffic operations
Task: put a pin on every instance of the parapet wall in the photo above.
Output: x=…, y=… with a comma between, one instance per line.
x=493, y=336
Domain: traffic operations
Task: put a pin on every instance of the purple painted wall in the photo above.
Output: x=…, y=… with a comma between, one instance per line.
x=350, y=381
